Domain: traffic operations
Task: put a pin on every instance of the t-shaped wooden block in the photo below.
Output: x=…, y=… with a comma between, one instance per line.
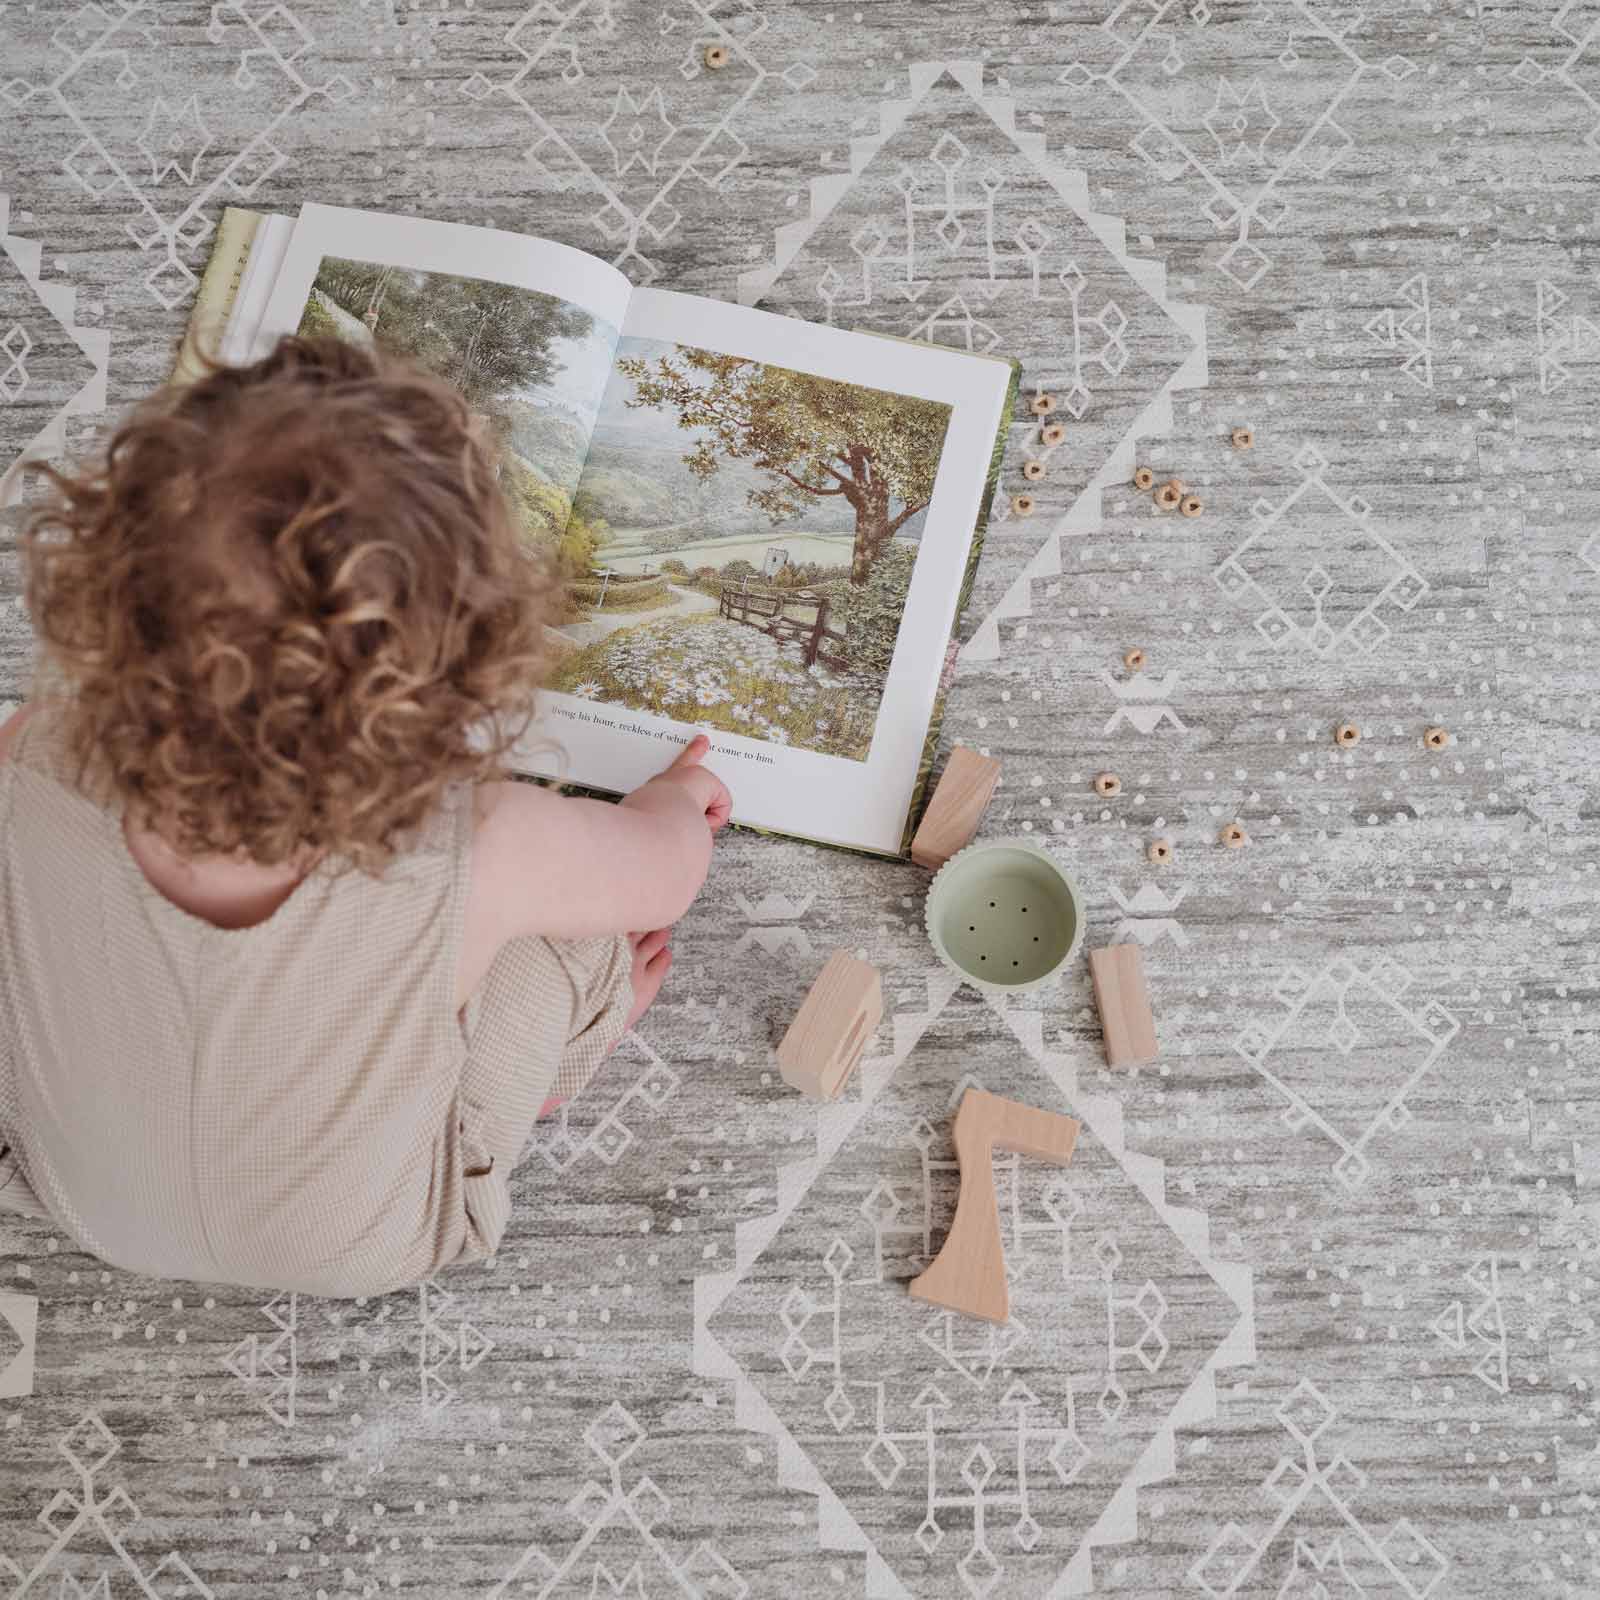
x=969, y=1273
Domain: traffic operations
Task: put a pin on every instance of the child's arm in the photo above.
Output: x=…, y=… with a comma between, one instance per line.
x=571, y=869
x=12, y=727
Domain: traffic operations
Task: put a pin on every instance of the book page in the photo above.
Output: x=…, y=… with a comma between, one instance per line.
x=782, y=515
x=526, y=329
x=241, y=340
x=216, y=300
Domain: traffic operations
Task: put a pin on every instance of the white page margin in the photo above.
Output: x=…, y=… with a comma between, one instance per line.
x=488, y=253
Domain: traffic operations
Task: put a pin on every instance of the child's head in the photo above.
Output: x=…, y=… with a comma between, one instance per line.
x=292, y=606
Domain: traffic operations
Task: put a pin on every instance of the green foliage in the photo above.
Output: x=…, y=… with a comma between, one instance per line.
x=738, y=568
x=540, y=506
x=546, y=435
x=620, y=594
x=627, y=499
x=674, y=565
x=814, y=437
x=489, y=339
x=317, y=321
x=808, y=575
x=575, y=549
x=547, y=517
x=870, y=613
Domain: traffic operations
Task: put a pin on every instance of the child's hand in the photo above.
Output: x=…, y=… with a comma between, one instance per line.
x=709, y=792
x=652, y=961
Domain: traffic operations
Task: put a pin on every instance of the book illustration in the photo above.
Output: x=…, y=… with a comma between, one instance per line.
x=758, y=532
x=766, y=527
x=533, y=366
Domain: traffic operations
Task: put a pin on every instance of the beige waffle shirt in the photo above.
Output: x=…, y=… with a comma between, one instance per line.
x=295, y=1105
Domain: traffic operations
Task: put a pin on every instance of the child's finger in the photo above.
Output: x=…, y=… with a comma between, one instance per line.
x=649, y=944
x=692, y=753
x=647, y=985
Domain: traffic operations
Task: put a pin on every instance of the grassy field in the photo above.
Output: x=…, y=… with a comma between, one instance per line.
x=712, y=673
x=827, y=549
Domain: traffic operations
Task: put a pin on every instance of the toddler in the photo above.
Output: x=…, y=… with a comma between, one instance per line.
x=287, y=969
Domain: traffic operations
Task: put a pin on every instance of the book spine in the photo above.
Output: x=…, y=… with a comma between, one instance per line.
x=219, y=288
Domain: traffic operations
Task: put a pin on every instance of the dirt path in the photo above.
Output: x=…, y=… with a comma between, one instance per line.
x=688, y=603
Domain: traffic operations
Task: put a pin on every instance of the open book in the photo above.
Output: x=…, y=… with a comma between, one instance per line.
x=768, y=527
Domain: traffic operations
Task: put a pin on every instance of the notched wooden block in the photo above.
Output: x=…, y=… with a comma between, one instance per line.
x=830, y=1031
x=1124, y=1002
x=956, y=809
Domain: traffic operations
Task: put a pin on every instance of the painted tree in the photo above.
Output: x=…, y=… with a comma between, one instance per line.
x=816, y=438
x=489, y=339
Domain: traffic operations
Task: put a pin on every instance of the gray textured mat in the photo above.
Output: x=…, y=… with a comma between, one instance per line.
x=1311, y=1313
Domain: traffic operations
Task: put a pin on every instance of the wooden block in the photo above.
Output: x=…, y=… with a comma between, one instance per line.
x=1124, y=1002
x=956, y=809
x=969, y=1273
x=831, y=1029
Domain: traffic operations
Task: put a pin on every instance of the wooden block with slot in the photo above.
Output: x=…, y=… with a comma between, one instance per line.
x=831, y=1029
x=956, y=809
x=969, y=1273
x=1124, y=1002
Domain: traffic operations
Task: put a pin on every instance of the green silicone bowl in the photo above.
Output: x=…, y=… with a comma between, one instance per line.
x=1004, y=915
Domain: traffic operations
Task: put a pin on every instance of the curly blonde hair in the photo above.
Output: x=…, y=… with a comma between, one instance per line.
x=292, y=607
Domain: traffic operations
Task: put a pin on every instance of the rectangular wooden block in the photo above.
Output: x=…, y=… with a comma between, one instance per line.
x=830, y=1031
x=956, y=809
x=1124, y=1002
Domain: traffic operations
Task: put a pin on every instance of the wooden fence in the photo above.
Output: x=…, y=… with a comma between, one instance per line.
x=765, y=609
